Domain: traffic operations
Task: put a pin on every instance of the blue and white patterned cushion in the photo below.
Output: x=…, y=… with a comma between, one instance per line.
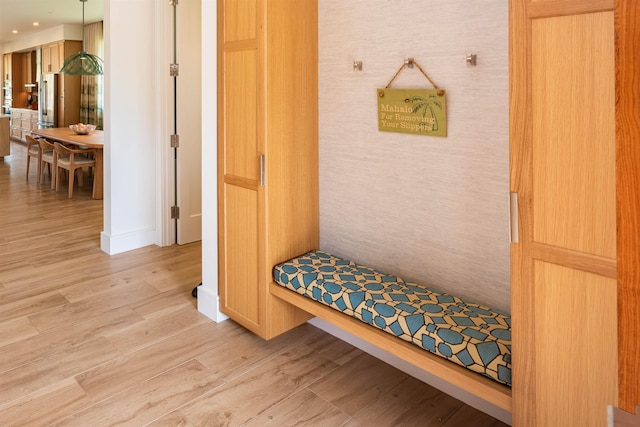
x=470, y=335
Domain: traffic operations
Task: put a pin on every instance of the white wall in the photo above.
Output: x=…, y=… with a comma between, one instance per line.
x=432, y=210
x=133, y=123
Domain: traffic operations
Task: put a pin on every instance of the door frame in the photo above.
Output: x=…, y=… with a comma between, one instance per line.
x=627, y=29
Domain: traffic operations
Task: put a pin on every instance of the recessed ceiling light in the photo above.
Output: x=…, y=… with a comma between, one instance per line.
x=35, y=24
x=15, y=31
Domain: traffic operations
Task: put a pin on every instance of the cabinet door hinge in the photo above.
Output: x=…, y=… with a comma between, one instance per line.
x=175, y=141
x=175, y=212
x=174, y=70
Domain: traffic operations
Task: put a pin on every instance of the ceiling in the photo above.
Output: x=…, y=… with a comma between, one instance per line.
x=21, y=14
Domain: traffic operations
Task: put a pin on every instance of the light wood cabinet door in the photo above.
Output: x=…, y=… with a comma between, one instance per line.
x=45, y=60
x=241, y=287
x=564, y=307
x=29, y=67
x=268, y=207
x=241, y=254
x=51, y=58
x=6, y=67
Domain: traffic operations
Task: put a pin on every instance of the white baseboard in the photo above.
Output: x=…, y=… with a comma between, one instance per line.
x=115, y=244
x=414, y=371
x=209, y=303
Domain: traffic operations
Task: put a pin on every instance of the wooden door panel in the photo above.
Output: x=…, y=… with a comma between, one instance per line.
x=240, y=107
x=574, y=133
x=576, y=348
x=240, y=288
x=240, y=17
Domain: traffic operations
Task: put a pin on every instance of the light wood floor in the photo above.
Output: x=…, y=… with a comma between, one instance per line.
x=92, y=340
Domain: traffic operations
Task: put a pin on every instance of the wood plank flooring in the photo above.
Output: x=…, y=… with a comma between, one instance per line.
x=88, y=339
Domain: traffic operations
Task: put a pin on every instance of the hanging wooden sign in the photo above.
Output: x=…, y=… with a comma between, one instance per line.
x=414, y=111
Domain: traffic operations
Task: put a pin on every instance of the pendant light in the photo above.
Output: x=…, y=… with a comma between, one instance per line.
x=82, y=63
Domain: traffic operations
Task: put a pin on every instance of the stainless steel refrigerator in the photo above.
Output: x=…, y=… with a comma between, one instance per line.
x=48, y=101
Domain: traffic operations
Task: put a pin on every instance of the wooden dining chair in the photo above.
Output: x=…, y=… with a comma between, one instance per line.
x=72, y=160
x=46, y=157
x=33, y=150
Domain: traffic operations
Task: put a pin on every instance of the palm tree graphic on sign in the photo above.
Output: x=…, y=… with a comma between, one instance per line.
x=427, y=105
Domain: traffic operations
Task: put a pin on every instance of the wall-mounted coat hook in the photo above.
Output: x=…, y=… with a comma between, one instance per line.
x=357, y=65
x=471, y=59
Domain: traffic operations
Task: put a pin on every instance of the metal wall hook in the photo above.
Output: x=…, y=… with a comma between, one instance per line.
x=471, y=59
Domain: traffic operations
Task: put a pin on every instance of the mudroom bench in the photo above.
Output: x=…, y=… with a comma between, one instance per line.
x=465, y=344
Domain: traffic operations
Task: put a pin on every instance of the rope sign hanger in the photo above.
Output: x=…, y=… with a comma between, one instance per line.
x=409, y=63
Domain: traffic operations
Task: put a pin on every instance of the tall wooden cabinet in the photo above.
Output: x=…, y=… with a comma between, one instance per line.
x=68, y=86
x=563, y=167
x=267, y=151
x=53, y=56
x=19, y=96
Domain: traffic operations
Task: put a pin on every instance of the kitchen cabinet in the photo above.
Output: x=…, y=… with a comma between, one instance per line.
x=5, y=144
x=16, y=123
x=23, y=120
x=23, y=71
x=68, y=87
x=268, y=153
x=51, y=57
x=19, y=96
x=28, y=60
x=6, y=67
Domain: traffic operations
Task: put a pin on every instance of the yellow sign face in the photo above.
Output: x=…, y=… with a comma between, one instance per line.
x=414, y=111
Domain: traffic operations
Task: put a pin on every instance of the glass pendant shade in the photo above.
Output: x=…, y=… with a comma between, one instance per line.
x=82, y=63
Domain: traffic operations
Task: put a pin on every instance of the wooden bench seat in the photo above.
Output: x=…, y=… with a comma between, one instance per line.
x=466, y=344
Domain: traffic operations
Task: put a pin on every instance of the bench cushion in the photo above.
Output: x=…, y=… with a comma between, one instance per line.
x=470, y=335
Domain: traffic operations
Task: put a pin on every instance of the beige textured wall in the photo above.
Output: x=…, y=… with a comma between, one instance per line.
x=431, y=210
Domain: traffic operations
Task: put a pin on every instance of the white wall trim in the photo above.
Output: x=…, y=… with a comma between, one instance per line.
x=414, y=371
x=166, y=166
x=209, y=304
x=123, y=242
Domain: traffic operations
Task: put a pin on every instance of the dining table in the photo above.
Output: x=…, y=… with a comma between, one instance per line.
x=92, y=140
